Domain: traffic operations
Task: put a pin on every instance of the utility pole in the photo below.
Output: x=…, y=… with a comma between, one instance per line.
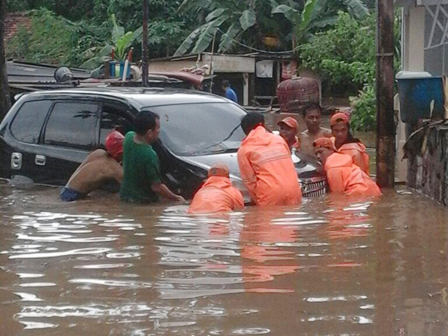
x=385, y=124
x=5, y=100
x=145, y=50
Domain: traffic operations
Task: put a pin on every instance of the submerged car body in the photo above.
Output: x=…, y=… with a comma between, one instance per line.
x=47, y=134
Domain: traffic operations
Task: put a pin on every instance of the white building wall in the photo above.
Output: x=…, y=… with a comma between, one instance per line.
x=414, y=38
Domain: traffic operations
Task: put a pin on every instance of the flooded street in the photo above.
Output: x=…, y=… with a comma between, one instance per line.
x=328, y=267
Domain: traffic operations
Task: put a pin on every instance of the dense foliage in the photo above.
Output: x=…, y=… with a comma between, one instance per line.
x=335, y=38
x=243, y=24
x=345, y=57
x=57, y=30
x=54, y=40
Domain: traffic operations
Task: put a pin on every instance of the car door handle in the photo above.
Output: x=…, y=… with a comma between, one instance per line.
x=16, y=161
x=40, y=160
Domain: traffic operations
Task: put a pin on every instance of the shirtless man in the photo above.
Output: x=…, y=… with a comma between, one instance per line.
x=99, y=167
x=312, y=115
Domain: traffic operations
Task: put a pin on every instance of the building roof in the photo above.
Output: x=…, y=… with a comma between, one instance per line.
x=30, y=73
x=260, y=55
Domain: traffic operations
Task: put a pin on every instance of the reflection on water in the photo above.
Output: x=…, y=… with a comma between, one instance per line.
x=328, y=267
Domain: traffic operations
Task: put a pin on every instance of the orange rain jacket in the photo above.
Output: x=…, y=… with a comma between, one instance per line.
x=358, y=153
x=217, y=195
x=345, y=177
x=267, y=169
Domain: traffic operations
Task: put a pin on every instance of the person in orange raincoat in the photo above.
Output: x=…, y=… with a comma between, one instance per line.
x=288, y=129
x=342, y=174
x=217, y=194
x=265, y=164
x=345, y=143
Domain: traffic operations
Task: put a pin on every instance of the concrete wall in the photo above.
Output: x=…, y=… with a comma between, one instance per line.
x=428, y=169
x=221, y=63
x=172, y=65
x=225, y=63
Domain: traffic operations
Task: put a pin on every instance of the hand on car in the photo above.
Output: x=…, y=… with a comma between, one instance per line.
x=180, y=199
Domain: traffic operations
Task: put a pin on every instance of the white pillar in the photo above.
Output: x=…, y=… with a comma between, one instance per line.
x=245, y=89
x=413, y=59
x=413, y=39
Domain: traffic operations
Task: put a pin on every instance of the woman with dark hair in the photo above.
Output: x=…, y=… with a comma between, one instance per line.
x=346, y=143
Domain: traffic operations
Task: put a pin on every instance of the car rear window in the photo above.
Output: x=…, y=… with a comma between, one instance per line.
x=28, y=122
x=72, y=124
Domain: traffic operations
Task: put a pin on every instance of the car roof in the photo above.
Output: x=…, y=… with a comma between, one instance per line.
x=139, y=96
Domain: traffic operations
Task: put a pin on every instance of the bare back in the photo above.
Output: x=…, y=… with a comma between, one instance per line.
x=96, y=169
x=307, y=139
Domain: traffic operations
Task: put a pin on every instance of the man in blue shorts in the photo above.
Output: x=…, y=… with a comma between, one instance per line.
x=99, y=167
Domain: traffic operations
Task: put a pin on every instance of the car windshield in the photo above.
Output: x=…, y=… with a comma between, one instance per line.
x=200, y=129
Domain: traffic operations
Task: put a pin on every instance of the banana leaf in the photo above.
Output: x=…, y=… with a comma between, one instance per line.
x=247, y=19
x=208, y=32
x=357, y=8
x=188, y=42
x=228, y=39
x=290, y=13
x=117, y=31
x=215, y=14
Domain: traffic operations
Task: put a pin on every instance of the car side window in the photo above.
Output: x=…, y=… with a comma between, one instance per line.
x=28, y=122
x=114, y=117
x=72, y=124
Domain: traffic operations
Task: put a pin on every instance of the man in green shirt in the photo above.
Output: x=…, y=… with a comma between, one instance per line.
x=141, y=173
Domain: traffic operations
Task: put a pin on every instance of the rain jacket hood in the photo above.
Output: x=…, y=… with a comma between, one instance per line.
x=358, y=153
x=217, y=194
x=338, y=161
x=267, y=170
x=345, y=177
x=259, y=137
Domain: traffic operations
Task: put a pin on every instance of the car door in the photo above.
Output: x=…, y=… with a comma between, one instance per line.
x=70, y=133
x=115, y=115
x=20, y=141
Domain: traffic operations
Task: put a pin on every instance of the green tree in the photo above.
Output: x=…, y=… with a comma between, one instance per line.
x=72, y=10
x=54, y=40
x=234, y=17
x=345, y=58
x=249, y=21
x=166, y=27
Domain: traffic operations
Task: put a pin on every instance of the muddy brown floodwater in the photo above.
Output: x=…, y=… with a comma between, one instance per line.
x=328, y=267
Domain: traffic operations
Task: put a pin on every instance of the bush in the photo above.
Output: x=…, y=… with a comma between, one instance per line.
x=364, y=109
x=345, y=54
x=345, y=58
x=54, y=40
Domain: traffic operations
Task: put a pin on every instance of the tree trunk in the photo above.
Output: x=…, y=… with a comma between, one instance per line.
x=5, y=102
x=385, y=142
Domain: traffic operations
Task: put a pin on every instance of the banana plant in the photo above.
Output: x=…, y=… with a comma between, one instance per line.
x=311, y=17
x=121, y=41
x=238, y=17
x=228, y=20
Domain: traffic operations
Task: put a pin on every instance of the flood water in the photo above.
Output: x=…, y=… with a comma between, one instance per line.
x=328, y=267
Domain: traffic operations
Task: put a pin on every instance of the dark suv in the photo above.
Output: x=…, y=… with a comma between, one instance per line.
x=47, y=134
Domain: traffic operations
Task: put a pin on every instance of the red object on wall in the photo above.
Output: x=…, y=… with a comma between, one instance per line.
x=294, y=94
